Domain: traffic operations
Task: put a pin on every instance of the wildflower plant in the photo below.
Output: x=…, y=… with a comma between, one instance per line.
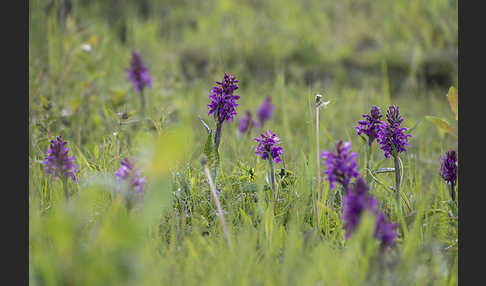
x=448, y=171
x=269, y=149
x=265, y=111
x=223, y=103
x=132, y=181
x=59, y=164
x=246, y=123
x=139, y=76
x=370, y=127
x=341, y=165
x=358, y=200
x=341, y=168
x=391, y=136
x=393, y=140
x=319, y=104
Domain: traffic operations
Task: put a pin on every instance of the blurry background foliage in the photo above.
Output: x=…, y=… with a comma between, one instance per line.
x=355, y=53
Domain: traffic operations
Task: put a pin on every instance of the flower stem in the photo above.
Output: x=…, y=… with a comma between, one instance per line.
x=318, y=163
x=142, y=99
x=397, y=182
x=217, y=137
x=272, y=179
x=368, y=159
x=453, y=193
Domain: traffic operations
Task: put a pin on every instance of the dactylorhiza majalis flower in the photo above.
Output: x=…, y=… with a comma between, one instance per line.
x=448, y=171
x=391, y=136
x=247, y=122
x=385, y=231
x=268, y=145
x=341, y=165
x=129, y=175
x=265, y=110
x=58, y=162
x=138, y=73
x=357, y=201
x=223, y=100
x=371, y=124
x=448, y=167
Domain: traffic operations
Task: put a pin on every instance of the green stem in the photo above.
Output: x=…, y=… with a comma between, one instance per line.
x=318, y=166
x=272, y=179
x=217, y=136
x=453, y=193
x=142, y=99
x=368, y=159
x=397, y=182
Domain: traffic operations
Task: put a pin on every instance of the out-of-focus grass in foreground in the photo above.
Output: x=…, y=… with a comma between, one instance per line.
x=356, y=54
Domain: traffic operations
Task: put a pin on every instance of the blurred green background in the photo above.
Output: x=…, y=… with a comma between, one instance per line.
x=311, y=42
x=355, y=53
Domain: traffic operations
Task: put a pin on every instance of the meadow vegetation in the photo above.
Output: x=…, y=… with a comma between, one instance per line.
x=354, y=53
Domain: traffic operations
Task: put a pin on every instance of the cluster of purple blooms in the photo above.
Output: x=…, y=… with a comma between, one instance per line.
x=265, y=110
x=223, y=101
x=268, y=145
x=128, y=173
x=389, y=135
x=371, y=124
x=448, y=167
x=264, y=113
x=138, y=73
x=448, y=170
x=341, y=167
x=247, y=122
x=58, y=162
x=358, y=200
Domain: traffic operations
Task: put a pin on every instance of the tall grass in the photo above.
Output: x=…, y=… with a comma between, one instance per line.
x=353, y=53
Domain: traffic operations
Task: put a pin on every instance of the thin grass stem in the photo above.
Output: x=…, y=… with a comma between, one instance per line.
x=216, y=200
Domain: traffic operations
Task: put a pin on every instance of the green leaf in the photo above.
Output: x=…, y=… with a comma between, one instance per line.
x=442, y=125
x=212, y=154
x=384, y=170
x=415, y=126
x=452, y=96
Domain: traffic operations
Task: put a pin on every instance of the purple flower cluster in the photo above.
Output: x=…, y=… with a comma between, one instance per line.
x=265, y=110
x=57, y=161
x=128, y=173
x=391, y=136
x=138, y=73
x=371, y=124
x=385, y=231
x=264, y=113
x=341, y=166
x=448, y=167
x=269, y=144
x=223, y=101
x=356, y=201
x=247, y=122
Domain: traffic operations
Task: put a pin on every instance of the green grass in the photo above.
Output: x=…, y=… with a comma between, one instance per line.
x=354, y=54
